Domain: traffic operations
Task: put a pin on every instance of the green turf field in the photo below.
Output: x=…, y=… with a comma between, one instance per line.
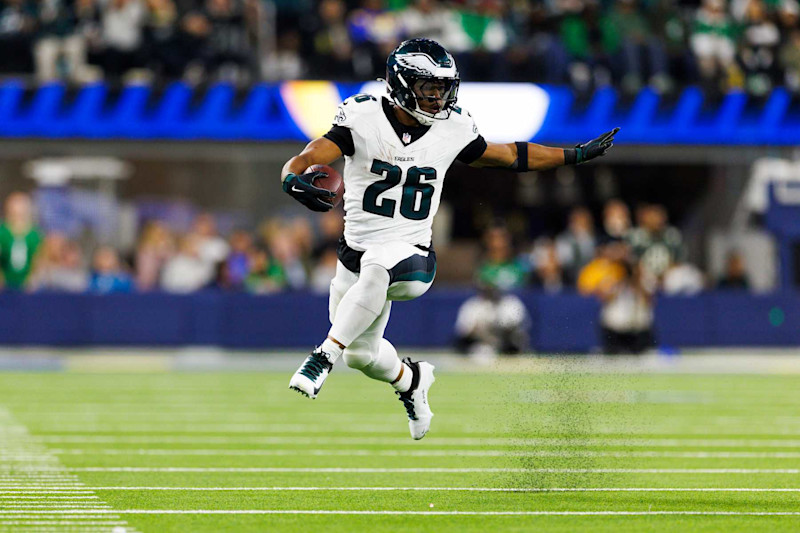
x=521, y=451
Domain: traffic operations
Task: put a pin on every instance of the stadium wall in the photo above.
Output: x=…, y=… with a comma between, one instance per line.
x=560, y=323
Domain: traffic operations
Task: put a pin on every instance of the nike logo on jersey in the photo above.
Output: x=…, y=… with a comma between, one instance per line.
x=295, y=189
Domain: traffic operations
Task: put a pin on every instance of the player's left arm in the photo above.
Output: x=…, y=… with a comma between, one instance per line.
x=525, y=156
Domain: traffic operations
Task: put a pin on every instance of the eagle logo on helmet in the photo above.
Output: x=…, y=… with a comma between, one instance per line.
x=424, y=64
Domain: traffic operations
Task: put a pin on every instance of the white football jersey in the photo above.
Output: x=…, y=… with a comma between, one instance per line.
x=393, y=188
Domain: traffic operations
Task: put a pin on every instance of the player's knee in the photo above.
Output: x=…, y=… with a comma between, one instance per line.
x=358, y=355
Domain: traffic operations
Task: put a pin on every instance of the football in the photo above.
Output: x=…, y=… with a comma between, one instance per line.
x=332, y=182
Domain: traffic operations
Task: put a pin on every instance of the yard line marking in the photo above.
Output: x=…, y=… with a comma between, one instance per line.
x=61, y=522
x=430, y=453
x=424, y=513
x=451, y=489
x=438, y=441
x=46, y=497
x=192, y=427
x=26, y=464
x=442, y=470
x=323, y=432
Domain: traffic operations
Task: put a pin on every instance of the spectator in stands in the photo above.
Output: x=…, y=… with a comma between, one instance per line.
x=265, y=276
x=194, y=30
x=374, y=31
x=187, y=271
x=492, y=323
x=789, y=18
x=790, y=60
x=330, y=52
x=655, y=245
x=287, y=243
x=285, y=63
x=237, y=264
x=759, y=49
x=636, y=54
x=17, y=29
x=499, y=267
x=108, y=276
x=156, y=247
x=60, y=266
x=88, y=26
x=683, y=278
x=713, y=44
x=20, y=241
x=213, y=249
x=485, y=37
x=605, y=270
x=616, y=219
x=578, y=29
x=577, y=243
x=626, y=316
x=671, y=28
x=735, y=276
x=163, y=40
x=331, y=228
x=227, y=52
x=547, y=271
x=60, y=49
x=122, y=23
x=433, y=20
x=324, y=271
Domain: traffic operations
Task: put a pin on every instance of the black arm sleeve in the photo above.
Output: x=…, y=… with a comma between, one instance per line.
x=343, y=138
x=473, y=151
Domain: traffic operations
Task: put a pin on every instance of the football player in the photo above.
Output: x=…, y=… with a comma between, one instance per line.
x=397, y=151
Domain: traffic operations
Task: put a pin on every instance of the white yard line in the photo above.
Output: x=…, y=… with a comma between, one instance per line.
x=335, y=470
x=12, y=515
x=26, y=465
x=443, y=489
x=431, y=440
x=701, y=428
x=428, y=453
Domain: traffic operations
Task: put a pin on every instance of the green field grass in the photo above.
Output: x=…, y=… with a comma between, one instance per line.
x=518, y=451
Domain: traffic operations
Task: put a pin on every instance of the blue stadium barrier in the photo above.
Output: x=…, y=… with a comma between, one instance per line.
x=563, y=323
x=183, y=112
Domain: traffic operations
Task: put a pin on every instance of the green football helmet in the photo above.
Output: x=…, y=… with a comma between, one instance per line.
x=422, y=72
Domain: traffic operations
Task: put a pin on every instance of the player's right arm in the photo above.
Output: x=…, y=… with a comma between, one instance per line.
x=299, y=185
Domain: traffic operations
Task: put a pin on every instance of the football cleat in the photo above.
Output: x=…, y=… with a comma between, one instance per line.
x=311, y=375
x=415, y=400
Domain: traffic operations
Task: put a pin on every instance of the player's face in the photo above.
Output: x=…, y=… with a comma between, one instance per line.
x=430, y=95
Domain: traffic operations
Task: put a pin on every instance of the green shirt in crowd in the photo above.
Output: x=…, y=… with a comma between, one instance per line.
x=16, y=255
x=504, y=276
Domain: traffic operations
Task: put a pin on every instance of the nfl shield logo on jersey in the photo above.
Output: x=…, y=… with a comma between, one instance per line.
x=406, y=138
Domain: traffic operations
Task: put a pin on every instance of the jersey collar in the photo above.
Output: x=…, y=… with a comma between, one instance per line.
x=406, y=134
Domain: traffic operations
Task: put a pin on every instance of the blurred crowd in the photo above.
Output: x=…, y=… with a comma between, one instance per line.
x=300, y=253
x=283, y=254
x=664, y=44
x=622, y=264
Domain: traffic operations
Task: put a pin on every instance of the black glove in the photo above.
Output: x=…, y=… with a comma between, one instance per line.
x=301, y=188
x=594, y=148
